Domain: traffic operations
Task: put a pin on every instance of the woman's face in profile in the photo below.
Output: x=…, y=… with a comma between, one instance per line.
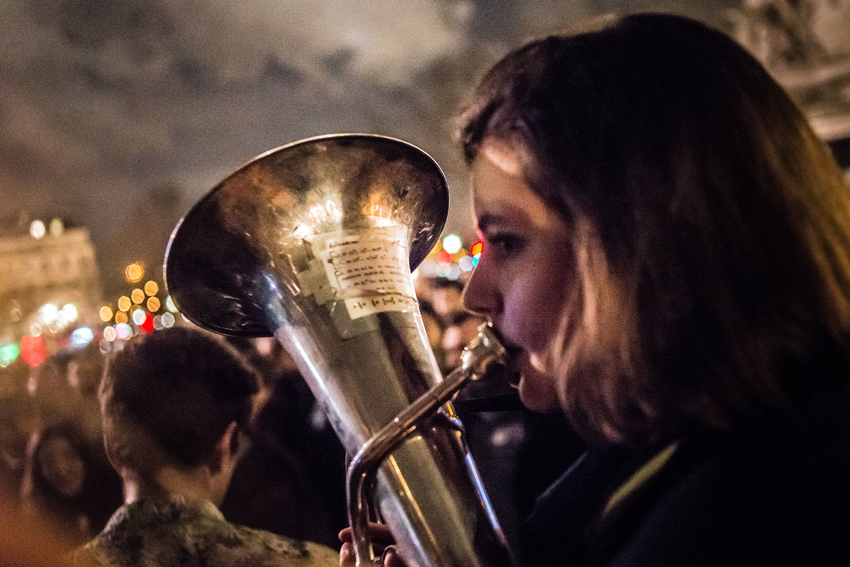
x=61, y=466
x=525, y=271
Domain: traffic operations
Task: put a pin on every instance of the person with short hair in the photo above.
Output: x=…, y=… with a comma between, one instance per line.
x=175, y=406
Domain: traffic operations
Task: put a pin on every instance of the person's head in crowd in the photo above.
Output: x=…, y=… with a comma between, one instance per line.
x=14, y=378
x=65, y=482
x=85, y=369
x=58, y=461
x=666, y=239
x=50, y=386
x=19, y=419
x=446, y=297
x=174, y=403
x=460, y=330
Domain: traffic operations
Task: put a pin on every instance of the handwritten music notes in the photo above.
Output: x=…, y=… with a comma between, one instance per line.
x=369, y=269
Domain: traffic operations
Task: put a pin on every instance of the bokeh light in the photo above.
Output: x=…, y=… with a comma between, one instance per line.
x=57, y=227
x=151, y=288
x=37, y=229
x=33, y=350
x=124, y=303
x=138, y=296
x=123, y=331
x=466, y=263
x=105, y=314
x=48, y=313
x=82, y=336
x=153, y=304
x=69, y=313
x=138, y=316
x=452, y=243
x=8, y=354
x=134, y=272
x=168, y=320
x=147, y=324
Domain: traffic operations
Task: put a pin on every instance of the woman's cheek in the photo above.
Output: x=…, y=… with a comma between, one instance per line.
x=537, y=389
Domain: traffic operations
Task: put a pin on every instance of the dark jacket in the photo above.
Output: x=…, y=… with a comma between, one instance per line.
x=773, y=492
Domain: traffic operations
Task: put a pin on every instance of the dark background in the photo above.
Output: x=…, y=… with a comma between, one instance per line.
x=117, y=116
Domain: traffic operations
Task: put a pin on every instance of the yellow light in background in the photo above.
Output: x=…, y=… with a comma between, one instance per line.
x=105, y=313
x=138, y=296
x=135, y=272
x=57, y=227
x=151, y=288
x=153, y=304
x=109, y=334
x=124, y=303
x=121, y=317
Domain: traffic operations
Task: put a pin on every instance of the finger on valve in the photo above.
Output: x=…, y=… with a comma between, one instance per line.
x=382, y=541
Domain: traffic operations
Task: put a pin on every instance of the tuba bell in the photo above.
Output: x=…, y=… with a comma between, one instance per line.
x=314, y=243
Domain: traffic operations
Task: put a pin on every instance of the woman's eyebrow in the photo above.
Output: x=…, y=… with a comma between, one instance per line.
x=514, y=218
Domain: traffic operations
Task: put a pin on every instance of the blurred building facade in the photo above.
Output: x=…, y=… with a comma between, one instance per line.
x=49, y=282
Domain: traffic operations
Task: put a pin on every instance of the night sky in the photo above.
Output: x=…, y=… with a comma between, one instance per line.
x=118, y=115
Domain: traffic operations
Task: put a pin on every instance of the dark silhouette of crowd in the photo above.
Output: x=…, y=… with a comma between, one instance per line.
x=54, y=468
x=54, y=471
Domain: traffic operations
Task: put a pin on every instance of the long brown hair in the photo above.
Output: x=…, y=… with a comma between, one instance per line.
x=710, y=224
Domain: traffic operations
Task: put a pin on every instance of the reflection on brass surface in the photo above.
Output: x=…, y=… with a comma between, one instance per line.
x=314, y=243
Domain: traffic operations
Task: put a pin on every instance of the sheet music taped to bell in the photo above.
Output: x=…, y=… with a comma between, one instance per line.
x=369, y=269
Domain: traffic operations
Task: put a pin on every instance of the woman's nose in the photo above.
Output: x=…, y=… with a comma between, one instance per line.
x=479, y=294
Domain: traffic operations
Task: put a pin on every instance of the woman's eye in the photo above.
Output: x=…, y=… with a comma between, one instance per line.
x=505, y=244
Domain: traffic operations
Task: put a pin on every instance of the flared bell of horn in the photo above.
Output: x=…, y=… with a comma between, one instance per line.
x=314, y=243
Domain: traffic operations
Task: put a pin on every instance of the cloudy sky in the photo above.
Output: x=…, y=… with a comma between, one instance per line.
x=118, y=115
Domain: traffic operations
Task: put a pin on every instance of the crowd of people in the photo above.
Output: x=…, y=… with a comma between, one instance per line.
x=289, y=480
x=54, y=468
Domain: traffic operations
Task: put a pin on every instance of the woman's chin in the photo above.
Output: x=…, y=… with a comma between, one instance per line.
x=537, y=391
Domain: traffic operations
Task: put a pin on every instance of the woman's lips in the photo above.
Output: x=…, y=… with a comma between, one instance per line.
x=510, y=367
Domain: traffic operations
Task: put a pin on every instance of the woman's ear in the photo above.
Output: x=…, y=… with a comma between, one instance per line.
x=224, y=449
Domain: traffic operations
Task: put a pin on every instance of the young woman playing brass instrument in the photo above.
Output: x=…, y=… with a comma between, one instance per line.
x=667, y=257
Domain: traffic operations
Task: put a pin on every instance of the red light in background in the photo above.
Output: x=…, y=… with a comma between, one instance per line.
x=477, y=248
x=444, y=258
x=32, y=350
x=148, y=324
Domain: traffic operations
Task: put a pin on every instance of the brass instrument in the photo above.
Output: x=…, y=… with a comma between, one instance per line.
x=314, y=243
